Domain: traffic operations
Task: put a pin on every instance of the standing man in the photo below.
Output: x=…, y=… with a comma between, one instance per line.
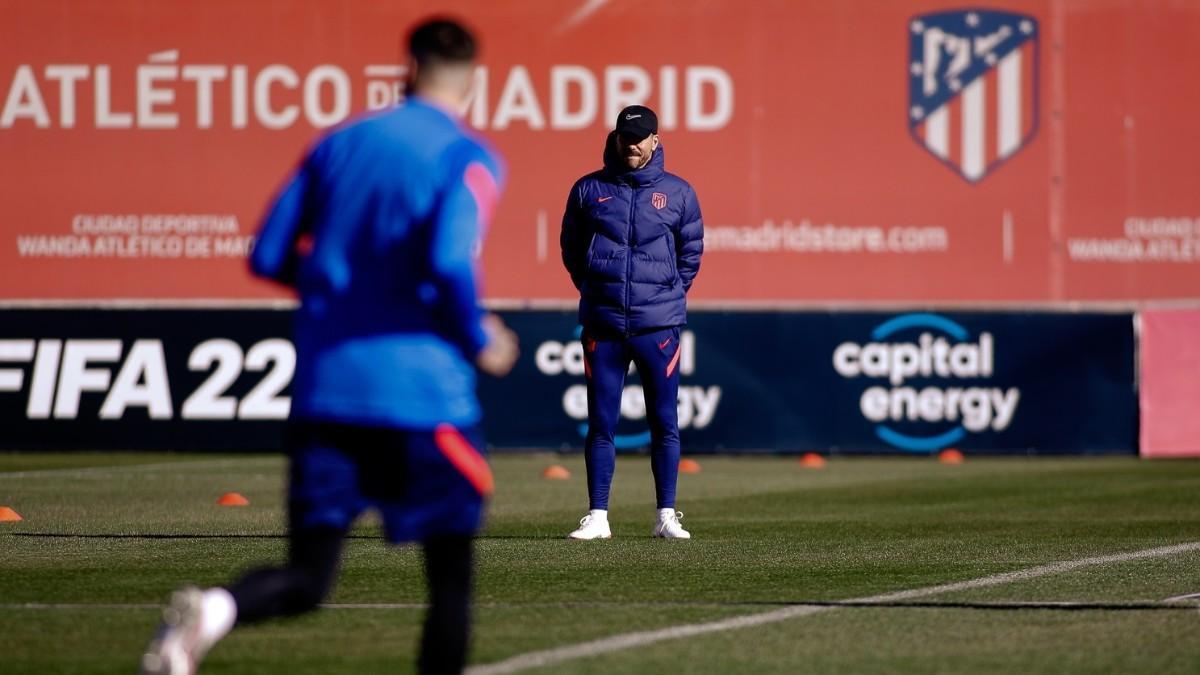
x=378, y=232
x=631, y=239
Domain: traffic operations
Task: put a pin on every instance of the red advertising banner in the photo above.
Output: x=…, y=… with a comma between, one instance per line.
x=858, y=151
x=1169, y=391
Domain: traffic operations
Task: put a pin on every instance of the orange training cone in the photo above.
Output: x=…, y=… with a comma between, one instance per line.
x=556, y=472
x=689, y=466
x=950, y=456
x=233, y=499
x=812, y=460
x=7, y=515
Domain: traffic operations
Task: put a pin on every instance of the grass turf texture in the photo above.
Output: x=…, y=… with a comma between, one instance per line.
x=125, y=529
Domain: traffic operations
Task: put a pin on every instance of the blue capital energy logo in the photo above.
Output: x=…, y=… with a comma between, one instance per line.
x=928, y=382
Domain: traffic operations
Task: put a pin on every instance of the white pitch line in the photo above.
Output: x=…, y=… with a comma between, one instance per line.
x=1182, y=598
x=623, y=641
x=125, y=468
x=1034, y=572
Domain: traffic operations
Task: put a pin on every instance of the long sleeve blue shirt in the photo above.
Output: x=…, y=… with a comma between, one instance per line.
x=379, y=232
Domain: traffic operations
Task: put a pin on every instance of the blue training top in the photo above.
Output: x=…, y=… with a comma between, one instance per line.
x=379, y=232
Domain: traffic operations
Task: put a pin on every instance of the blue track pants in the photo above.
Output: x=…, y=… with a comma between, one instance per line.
x=606, y=360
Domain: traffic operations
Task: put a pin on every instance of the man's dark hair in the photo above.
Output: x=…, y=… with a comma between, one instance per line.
x=441, y=40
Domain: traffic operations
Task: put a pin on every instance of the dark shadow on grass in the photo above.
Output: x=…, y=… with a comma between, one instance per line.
x=862, y=604
x=523, y=537
x=71, y=535
x=858, y=604
x=173, y=536
x=994, y=606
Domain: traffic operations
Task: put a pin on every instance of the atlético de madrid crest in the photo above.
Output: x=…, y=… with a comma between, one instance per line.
x=973, y=87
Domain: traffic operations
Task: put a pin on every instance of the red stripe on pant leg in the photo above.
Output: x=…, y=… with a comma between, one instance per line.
x=674, y=362
x=465, y=458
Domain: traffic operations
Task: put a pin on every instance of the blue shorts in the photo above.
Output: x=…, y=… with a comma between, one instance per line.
x=423, y=482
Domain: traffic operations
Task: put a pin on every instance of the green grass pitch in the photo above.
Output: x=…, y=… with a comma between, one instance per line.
x=105, y=537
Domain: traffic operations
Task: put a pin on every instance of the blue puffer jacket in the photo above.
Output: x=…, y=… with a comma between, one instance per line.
x=631, y=241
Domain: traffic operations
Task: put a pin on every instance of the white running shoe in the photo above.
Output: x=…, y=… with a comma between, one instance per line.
x=591, y=527
x=178, y=646
x=668, y=527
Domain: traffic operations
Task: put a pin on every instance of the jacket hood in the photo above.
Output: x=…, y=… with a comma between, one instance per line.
x=615, y=167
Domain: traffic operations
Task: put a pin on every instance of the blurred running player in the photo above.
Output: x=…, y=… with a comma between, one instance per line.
x=378, y=232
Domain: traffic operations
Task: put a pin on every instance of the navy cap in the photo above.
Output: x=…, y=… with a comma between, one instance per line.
x=637, y=121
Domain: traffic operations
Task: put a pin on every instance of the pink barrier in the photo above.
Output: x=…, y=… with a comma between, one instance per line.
x=1170, y=383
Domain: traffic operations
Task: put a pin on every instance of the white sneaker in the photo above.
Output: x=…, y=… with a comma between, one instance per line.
x=668, y=527
x=178, y=646
x=591, y=527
